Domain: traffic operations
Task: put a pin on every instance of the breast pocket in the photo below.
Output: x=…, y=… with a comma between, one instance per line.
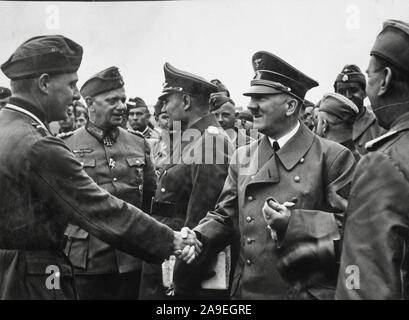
x=89, y=166
x=77, y=246
x=137, y=166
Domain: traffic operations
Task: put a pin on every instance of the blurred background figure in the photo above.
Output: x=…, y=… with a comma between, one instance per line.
x=336, y=116
x=161, y=117
x=223, y=108
x=81, y=114
x=138, y=118
x=5, y=93
x=307, y=114
x=68, y=124
x=245, y=120
x=351, y=83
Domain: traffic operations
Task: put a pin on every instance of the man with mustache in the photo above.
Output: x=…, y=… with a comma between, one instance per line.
x=306, y=177
x=351, y=84
x=44, y=185
x=119, y=162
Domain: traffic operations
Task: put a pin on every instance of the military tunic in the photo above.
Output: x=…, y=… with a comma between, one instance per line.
x=187, y=189
x=123, y=167
x=376, y=236
x=365, y=128
x=313, y=172
x=43, y=187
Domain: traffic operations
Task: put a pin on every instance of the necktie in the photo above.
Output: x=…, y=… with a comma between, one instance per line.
x=276, y=147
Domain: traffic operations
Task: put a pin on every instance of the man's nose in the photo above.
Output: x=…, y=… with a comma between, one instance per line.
x=76, y=95
x=253, y=106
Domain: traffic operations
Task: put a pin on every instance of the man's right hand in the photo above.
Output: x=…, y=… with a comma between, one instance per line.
x=186, y=246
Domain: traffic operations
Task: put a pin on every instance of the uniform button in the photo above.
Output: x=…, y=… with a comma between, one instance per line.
x=297, y=179
x=250, y=198
x=360, y=145
x=114, y=179
x=302, y=160
x=248, y=219
x=140, y=187
x=162, y=189
x=248, y=262
x=249, y=241
x=252, y=177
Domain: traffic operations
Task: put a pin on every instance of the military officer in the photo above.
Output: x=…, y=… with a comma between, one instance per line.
x=119, y=162
x=5, y=94
x=307, y=176
x=336, y=116
x=189, y=186
x=351, y=83
x=43, y=185
x=161, y=146
x=375, y=251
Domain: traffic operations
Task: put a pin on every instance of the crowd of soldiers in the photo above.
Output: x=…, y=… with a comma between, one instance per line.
x=204, y=200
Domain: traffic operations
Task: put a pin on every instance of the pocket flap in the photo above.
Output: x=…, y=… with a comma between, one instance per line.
x=75, y=232
x=136, y=161
x=90, y=163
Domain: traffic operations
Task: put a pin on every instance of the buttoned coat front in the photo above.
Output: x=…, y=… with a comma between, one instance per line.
x=310, y=171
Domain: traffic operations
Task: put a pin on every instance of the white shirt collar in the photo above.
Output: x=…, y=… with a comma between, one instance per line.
x=285, y=138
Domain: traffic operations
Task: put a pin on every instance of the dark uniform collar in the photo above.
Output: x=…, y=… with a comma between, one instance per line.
x=401, y=123
x=362, y=123
x=291, y=153
x=204, y=122
x=26, y=105
x=107, y=137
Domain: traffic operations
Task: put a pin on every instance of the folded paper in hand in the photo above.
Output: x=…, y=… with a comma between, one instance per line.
x=221, y=268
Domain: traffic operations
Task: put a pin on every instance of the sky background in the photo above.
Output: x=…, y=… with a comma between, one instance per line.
x=214, y=39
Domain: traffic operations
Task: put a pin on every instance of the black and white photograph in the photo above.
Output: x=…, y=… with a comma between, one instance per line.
x=191, y=151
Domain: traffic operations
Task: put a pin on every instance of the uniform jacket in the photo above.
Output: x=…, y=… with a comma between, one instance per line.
x=189, y=188
x=365, y=128
x=125, y=170
x=43, y=187
x=313, y=172
x=376, y=234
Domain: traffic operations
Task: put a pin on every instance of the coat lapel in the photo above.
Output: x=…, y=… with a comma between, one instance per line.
x=296, y=147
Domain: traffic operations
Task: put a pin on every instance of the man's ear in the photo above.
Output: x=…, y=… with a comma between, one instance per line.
x=292, y=105
x=386, y=81
x=187, y=101
x=43, y=83
x=90, y=103
x=325, y=126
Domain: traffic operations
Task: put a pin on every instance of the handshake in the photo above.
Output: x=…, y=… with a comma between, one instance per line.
x=186, y=246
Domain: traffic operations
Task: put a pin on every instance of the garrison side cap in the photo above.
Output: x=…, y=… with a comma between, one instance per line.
x=181, y=81
x=52, y=54
x=274, y=75
x=350, y=73
x=339, y=106
x=104, y=81
x=392, y=44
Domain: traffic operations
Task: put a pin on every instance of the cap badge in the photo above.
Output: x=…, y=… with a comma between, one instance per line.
x=345, y=78
x=257, y=62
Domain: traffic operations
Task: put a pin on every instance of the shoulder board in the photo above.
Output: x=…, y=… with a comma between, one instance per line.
x=137, y=133
x=377, y=142
x=64, y=135
x=39, y=128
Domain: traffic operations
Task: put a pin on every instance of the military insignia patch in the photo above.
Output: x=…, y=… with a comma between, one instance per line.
x=345, y=78
x=257, y=62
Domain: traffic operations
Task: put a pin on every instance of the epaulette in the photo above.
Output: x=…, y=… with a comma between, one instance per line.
x=64, y=135
x=39, y=128
x=137, y=133
x=377, y=142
